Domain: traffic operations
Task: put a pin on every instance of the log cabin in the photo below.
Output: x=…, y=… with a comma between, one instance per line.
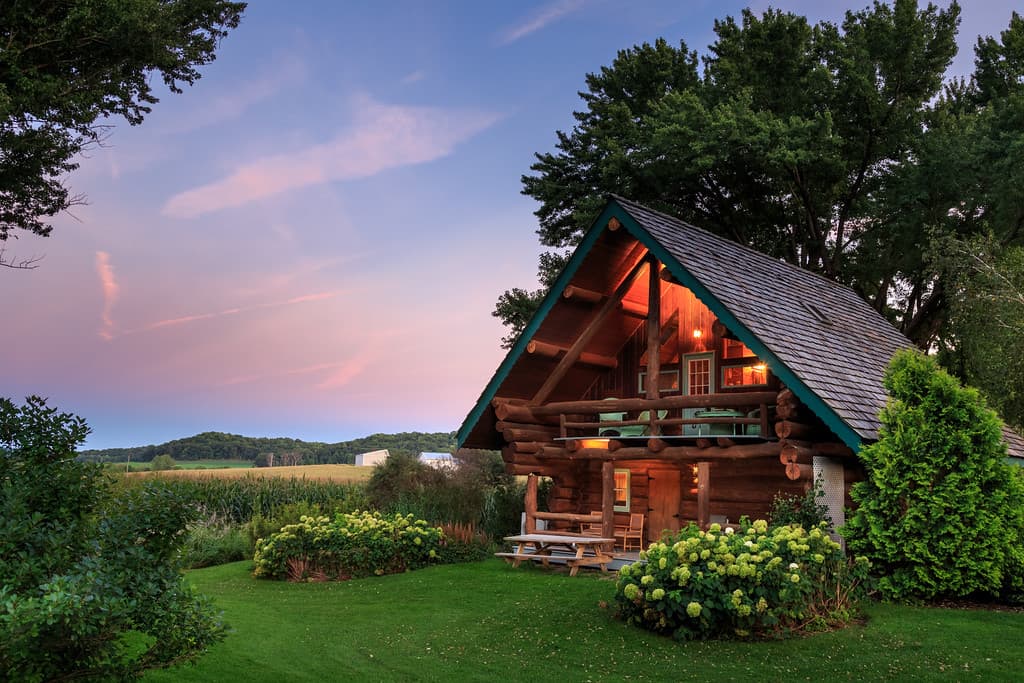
x=675, y=374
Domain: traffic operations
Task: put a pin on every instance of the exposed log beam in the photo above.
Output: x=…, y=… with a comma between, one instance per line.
x=786, y=429
x=592, y=328
x=577, y=293
x=757, y=450
x=614, y=224
x=667, y=402
x=549, y=350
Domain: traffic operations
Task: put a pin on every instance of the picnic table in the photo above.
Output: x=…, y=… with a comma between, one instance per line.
x=587, y=550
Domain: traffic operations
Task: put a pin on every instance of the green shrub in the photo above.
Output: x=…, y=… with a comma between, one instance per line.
x=162, y=462
x=352, y=545
x=214, y=541
x=90, y=585
x=281, y=516
x=463, y=543
x=807, y=510
x=755, y=582
x=941, y=513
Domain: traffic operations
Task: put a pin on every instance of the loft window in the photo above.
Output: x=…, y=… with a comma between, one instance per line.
x=668, y=381
x=621, y=491
x=748, y=375
x=733, y=348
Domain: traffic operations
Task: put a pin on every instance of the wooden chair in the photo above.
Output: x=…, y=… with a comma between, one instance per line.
x=633, y=532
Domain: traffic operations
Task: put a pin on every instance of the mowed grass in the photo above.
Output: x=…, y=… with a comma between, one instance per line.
x=335, y=473
x=486, y=621
x=213, y=464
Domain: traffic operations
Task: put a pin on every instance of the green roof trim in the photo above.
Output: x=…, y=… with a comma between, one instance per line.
x=778, y=368
x=531, y=327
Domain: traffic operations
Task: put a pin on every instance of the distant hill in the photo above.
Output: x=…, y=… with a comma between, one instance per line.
x=217, y=445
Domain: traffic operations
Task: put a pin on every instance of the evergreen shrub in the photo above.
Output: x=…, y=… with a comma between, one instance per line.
x=941, y=513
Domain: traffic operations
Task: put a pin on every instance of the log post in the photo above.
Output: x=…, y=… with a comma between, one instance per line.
x=531, y=503
x=703, y=494
x=608, y=499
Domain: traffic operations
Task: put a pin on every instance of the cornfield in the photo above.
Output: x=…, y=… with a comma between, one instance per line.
x=335, y=473
x=239, y=498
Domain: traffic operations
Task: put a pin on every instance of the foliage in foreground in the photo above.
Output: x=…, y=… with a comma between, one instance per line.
x=90, y=588
x=757, y=582
x=350, y=546
x=941, y=513
x=807, y=510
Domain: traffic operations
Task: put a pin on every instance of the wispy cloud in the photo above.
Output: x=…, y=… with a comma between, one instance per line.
x=542, y=17
x=383, y=137
x=347, y=371
x=170, y=322
x=232, y=103
x=413, y=77
x=108, y=284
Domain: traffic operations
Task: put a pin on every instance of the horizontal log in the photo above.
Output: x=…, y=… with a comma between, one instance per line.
x=656, y=445
x=518, y=413
x=511, y=435
x=577, y=293
x=569, y=517
x=527, y=446
x=751, y=398
x=787, y=429
x=792, y=453
x=502, y=425
x=634, y=309
x=524, y=470
x=796, y=471
x=756, y=450
x=786, y=396
x=832, y=449
x=548, y=350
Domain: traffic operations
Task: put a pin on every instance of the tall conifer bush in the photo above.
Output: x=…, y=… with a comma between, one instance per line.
x=941, y=513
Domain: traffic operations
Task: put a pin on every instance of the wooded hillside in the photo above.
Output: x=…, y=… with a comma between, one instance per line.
x=217, y=445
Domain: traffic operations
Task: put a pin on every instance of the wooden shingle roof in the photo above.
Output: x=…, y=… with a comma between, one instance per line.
x=833, y=341
x=829, y=338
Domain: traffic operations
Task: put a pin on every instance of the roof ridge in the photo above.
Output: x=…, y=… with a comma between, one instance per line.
x=760, y=254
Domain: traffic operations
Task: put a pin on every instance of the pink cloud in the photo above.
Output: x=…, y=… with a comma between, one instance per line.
x=347, y=372
x=544, y=16
x=169, y=322
x=383, y=137
x=109, y=286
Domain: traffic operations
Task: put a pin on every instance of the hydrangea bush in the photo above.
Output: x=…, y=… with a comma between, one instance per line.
x=349, y=546
x=753, y=581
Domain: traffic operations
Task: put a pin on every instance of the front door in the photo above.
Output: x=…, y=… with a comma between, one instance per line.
x=698, y=379
x=663, y=506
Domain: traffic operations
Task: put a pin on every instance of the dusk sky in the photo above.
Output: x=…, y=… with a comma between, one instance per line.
x=310, y=241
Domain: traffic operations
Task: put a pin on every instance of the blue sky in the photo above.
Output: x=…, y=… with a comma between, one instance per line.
x=309, y=241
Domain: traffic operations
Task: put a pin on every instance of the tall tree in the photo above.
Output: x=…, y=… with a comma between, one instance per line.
x=793, y=140
x=66, y=66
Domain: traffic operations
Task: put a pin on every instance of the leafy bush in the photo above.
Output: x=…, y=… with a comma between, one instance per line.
x=162, y=462
x=352, y=545
x=806, y=510
x=477, y=491
x=282, y=515
x=752, y=583
x=90, y=585
x=463, y=543
x=214, y=541
x=941, y=513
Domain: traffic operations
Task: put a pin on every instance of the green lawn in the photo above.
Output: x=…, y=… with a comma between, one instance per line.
x=487, y=622
x=212, y=464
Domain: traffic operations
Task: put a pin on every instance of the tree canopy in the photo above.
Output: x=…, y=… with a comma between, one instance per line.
x=839, y=148
x=65, y=67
